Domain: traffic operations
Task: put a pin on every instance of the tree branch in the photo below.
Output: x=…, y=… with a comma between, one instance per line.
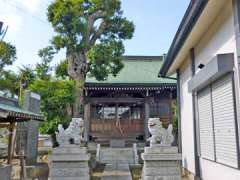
x=96, y=15
x=91, y=19
x=98, y=33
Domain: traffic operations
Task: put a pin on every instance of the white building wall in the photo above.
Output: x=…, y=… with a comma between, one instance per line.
x=211, y=171
x=188, y=160
x=219, y=39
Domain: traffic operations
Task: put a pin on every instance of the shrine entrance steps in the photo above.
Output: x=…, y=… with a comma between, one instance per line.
x=116, y=155
x=117, y=162
x=117, y=171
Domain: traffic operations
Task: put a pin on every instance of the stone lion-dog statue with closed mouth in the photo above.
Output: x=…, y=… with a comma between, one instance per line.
x=160, y=135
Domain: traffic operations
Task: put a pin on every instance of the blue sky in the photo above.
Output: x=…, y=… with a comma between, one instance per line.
x=156, y=22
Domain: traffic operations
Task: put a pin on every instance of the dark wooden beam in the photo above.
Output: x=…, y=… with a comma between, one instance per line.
x=4, y=125
x=115, y=100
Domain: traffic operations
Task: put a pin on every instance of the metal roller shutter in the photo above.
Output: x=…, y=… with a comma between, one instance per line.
x=206, y=124
x=224, y=121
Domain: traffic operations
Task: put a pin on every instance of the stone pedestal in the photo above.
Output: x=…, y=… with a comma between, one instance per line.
x=161, y=162
x=69, y=163
x=5, y=172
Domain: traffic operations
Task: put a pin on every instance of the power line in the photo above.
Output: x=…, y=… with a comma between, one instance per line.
x=14, y=4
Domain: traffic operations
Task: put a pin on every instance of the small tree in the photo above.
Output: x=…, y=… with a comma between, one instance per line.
x=9, y=83
x=8, y=79
x=43, y=69
x=56, y=95
x=7, y=55
x=92, y=31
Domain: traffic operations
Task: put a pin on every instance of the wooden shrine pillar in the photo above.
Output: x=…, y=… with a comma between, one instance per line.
x=11, y=141
x=146, y=117
x=87, y=116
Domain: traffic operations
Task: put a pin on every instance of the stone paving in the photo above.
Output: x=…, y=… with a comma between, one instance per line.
x=117, y=171
x=117, y=162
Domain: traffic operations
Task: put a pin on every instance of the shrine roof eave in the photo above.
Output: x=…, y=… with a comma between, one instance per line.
x=10, y=113
x=130, y=86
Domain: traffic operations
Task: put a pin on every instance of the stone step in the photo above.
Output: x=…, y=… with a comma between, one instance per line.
x=120, y=161
x=69, y=172
x=161, y=178
x=117, y=152
x=69, y=165
x=69, y=157
x=106, y=141
x=69, y=178
x=162, y=164
x=122, y=155
x=117, y=171
x=72, y=150
x=162, y=171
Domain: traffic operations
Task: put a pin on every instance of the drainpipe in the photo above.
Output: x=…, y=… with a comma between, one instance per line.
x=179, y=113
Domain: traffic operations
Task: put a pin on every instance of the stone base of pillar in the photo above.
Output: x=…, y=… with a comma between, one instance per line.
x=161, y=162
x=69, y=162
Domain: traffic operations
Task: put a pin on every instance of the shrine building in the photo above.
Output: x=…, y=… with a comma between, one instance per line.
x=119, y=107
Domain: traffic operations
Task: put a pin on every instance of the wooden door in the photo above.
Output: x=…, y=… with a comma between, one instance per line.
x=116, y=121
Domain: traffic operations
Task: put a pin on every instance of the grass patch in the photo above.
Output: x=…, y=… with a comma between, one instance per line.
x=97, y=172
x=136, y=172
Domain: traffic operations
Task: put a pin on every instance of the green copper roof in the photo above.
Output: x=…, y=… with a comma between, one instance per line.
x=137, y=70
x=8, y=108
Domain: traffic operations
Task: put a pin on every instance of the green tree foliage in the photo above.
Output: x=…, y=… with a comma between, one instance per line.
x=7, y=54
x=56, y=96
x=61, y=69
x=92, y=32
x=9, y=83
x=27, y=75
x=8, y=79
x=44, y=69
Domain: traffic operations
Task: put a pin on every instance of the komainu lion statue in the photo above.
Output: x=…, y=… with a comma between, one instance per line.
x=160, y=135
x=73, y=132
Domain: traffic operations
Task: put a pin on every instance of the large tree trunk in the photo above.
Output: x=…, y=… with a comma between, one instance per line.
x=77, y=70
